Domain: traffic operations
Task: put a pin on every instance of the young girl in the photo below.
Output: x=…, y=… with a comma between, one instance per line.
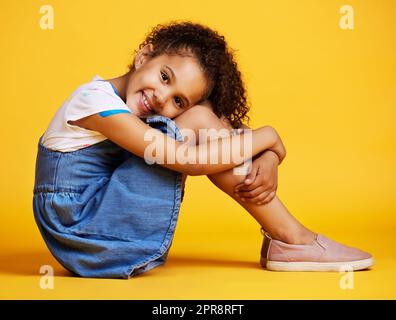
x=105, y=211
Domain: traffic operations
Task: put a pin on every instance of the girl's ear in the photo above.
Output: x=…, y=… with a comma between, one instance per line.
x=143, y=55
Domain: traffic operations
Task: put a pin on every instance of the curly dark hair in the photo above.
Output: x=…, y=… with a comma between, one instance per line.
x=226, y=90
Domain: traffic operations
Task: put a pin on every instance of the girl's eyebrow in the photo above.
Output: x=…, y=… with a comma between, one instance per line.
x=174, y=77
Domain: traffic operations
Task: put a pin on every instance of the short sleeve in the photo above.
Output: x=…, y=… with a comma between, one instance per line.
x=89, y=101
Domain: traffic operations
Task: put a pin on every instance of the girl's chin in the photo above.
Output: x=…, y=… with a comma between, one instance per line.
x=134, y=107
x=135, y=110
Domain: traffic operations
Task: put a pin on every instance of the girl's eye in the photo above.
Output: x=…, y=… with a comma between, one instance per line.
x=178, y=101
x=164, y=76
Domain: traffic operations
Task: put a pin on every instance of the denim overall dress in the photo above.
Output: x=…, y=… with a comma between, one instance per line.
x=103, y=211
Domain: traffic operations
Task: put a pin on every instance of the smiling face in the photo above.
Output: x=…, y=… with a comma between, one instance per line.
x=165, y=85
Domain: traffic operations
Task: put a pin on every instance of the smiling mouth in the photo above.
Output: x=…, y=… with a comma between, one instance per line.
x=146, y=104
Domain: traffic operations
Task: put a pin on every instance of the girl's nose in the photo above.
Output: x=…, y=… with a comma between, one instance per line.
x=161, y=97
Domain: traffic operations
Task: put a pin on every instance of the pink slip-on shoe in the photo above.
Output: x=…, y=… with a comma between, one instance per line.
x=323, y=255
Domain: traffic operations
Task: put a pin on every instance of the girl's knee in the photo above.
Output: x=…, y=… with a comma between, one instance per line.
x=202, y=117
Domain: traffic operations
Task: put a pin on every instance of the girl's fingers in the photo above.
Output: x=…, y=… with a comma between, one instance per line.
x=250, y=194
x=251, y=177
x=259, y=198
x=250, y=181
x=246, y=188
x=238, y=187
x=268, y=198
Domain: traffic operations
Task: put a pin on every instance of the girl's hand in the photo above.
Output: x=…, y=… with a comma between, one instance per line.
x=261, y=183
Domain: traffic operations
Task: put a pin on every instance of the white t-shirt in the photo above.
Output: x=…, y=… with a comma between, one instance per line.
x=97, y=96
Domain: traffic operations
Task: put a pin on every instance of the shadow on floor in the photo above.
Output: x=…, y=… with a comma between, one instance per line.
x=29, y=264
x=210, y=262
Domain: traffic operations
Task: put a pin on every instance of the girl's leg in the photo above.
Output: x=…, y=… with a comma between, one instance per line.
x=273, y=216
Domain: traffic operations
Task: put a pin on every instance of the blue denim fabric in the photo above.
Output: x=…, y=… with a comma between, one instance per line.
x=104, y=212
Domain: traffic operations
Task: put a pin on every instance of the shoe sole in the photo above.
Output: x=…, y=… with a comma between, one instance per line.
x=319, y=266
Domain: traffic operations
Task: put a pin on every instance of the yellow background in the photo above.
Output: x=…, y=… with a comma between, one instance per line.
x=330, y=93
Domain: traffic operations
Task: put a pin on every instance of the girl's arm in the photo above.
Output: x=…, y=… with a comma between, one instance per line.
x=128, y=131
x=279, y=146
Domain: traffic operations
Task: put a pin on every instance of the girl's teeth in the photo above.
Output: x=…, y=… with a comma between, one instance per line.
x=146, y=103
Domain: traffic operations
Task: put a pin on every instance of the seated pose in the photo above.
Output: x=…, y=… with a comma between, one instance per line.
x=112, y=164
